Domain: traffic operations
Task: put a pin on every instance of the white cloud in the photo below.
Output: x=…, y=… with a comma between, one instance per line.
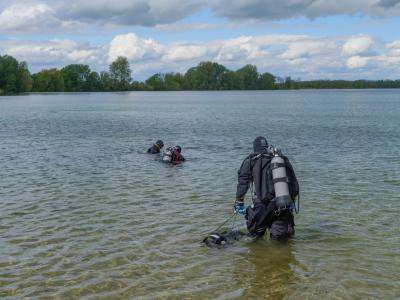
x=24, y=17
x=297, y=55
x=128, y=12
x=82, y=56
x=53, y=53
x=393, y=45
x=133, y=47
x=307, y=49
x=355, y=62
x=43, y=16
x=301, y=56
x=49, y=15
x=244, y=48
x=184, y=52
x=277, y=9
x=394, y=50
x=357, y=45
x=177, y=27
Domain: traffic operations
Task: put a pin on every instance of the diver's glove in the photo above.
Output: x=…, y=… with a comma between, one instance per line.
x=239, y=208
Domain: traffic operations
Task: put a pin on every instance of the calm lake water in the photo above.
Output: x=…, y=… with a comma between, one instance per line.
x=85, y=213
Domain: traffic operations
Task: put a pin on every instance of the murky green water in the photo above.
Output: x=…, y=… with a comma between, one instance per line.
x=84, y=213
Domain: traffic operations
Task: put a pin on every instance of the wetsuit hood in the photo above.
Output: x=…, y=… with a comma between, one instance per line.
x=260, y=144
x=160, y=143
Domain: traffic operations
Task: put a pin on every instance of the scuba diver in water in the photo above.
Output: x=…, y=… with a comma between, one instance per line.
x=156, y=147
x=275, y=185
x=173, y=155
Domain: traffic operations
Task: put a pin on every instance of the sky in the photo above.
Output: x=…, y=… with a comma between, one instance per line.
x=304, y=39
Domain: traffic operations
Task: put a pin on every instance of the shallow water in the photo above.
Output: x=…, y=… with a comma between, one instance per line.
x=85, y=213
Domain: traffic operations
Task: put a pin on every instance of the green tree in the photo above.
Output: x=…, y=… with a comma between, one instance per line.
x=120, y=73
x=14, y=76
x=173, y=81
x=24, y=80
x=266, y=81
x=248, y=77
x=230, y=81
x=8, y=74
x=50, y=80
x=75, y=77
x=93, y=82
x=156, y=82
x=206, y=76
x=106, y=82
x=139, y=86
x=288, y=83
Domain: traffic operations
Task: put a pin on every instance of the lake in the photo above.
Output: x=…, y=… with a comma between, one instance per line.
x=86, y=213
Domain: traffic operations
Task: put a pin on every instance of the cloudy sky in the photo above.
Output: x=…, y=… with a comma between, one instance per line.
x=307, y=39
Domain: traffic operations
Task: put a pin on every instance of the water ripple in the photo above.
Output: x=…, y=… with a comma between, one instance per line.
x=86, y=214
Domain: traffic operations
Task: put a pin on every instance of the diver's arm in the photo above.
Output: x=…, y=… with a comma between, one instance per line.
x=244, y=179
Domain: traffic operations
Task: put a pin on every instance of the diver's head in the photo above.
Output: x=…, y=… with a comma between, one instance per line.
x=260, y=144
x=178, y=148
x=160, y=143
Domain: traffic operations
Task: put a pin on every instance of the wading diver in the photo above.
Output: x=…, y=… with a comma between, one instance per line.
x=271, y=178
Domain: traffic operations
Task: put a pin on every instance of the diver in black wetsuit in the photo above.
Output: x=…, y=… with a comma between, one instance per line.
x=156, y=147
x=266, y=211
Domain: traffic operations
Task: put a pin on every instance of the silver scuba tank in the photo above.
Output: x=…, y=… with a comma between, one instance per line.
x=280, y=180
x=167, y=155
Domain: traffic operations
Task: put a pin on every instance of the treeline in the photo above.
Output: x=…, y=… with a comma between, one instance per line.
x=79, y=78
x=212, y=76
x=15, y=78
x=340, y=84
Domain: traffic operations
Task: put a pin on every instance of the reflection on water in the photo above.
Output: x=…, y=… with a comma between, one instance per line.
x=268, y=270
x=85, y=213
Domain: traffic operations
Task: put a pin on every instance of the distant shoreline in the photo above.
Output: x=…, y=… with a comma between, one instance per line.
x=15, y=79
x=216, y=91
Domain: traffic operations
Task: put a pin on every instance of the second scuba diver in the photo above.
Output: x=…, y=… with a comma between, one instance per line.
x=173, y=155
x=275, y=189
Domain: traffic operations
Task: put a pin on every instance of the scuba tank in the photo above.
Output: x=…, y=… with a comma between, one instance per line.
x=167, y=155
x=173, y=154
x=282, y=199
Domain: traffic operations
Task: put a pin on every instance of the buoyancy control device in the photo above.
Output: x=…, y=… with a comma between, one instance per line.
x=274, y=179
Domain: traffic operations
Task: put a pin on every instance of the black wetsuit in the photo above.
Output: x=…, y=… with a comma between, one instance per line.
x=154, y=149
x=263, y=213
